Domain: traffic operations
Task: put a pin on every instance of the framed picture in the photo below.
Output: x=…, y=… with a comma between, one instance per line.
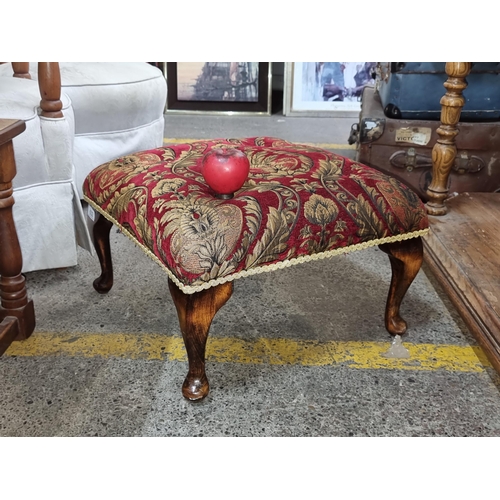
x=325, y=88
x=219, y=87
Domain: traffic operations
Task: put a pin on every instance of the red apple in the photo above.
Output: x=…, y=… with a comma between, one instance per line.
x=225, y=170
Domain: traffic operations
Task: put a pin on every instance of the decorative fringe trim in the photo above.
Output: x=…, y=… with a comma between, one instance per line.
x=187, y=289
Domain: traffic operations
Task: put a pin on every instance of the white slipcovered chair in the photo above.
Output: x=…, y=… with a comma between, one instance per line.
x=89, y=113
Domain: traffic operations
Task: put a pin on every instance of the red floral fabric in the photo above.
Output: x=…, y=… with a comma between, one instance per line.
x=298, y=201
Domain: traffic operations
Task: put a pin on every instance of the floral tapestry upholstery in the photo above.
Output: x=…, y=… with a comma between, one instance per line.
x=299, y=203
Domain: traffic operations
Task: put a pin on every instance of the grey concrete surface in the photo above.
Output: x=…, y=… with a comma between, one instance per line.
x=325, y=130
x=338, y=299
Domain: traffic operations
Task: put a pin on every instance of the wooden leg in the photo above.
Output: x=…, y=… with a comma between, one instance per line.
x=445, y=151
x=196, y=313
x=14, y=303
x=102, y=228
x=406, y=259
x=9, y=330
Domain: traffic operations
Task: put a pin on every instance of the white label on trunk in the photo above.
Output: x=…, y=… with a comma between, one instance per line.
x=91, y=213
x=414, y=135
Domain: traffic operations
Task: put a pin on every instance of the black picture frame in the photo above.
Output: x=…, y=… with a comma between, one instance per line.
x=261, y=106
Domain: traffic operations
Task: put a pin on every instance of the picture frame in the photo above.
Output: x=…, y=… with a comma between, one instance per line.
x=325, y=89
x=219, y=88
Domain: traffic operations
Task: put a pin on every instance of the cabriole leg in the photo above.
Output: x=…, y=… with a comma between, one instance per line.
x=196, y=313
x=101, y=230
x=406, y=259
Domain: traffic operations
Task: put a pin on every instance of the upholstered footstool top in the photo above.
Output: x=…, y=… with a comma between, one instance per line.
x=299, y=203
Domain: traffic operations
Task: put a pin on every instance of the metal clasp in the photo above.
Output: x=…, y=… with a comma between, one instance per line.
x=411, y=158
x=462, y=162
x=468, y=164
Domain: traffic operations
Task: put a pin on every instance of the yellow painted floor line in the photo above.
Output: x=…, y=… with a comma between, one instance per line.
x=324, y=145
x=360, y=355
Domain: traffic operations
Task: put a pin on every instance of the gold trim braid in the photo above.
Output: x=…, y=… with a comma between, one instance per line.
x=187, y=289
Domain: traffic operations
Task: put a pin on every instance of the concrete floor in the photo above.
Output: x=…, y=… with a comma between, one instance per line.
x=113, y=365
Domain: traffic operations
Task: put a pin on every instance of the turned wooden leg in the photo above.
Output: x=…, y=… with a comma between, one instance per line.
x=445, y=151
x=102, y=228
x=196, y=312
x=406, y=259
x=49, y=82
x=21, y=70
x=15, y=307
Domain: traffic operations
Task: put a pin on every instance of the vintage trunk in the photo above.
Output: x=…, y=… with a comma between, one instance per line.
x=403, y=149
x=413, y=90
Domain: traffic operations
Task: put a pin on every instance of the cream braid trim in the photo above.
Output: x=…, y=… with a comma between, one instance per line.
x=187, y=289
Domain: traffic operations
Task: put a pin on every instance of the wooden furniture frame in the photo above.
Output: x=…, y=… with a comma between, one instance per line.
x=17, y=315
x=49, y=82
x=463, y=246
x=445, y=151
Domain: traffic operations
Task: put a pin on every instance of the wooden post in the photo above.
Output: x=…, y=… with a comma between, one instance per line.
x=444, y=151
x=49, y=81
x=21, y=70
x=15, y=308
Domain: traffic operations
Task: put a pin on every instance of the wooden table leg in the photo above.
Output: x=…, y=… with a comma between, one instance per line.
x=196, y=312
x=444, y=151
x=14, y=303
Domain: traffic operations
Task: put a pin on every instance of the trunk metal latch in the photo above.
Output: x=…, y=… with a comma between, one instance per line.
x=465, y=164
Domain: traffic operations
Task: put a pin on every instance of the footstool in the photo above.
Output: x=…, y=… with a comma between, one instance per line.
x=300, y=203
